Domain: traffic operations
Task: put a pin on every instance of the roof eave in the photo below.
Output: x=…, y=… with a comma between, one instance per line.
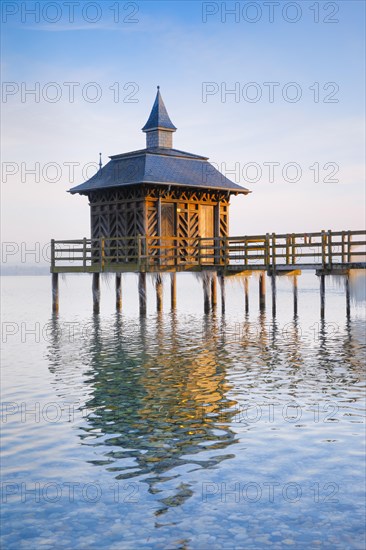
x=231, y=190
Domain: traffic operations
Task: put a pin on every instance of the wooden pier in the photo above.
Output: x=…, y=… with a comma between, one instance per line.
x=325, y=252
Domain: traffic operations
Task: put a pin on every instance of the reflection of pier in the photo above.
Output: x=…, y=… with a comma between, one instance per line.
x=147, y=414
x=326, y=252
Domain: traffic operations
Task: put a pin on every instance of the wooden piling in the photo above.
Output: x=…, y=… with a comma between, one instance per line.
x=206, y=293
x=159, y=292
x=96, y=292
x=246, y=294
x=142, y=293
x=55, y=293
x=294, y=286
x=118, y=291
x=273, y=288
x=262, y=291
x=214, y=290
x=173, y=290
x=322, y=295
x=348, y=298
x=223, y=296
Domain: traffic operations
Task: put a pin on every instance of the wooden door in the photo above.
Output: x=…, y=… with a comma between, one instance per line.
x=207, y=232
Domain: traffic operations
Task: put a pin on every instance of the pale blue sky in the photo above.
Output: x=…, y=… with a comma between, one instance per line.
x=171, y=46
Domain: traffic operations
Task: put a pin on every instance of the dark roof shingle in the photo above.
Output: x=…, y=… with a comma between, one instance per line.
x=159, y=166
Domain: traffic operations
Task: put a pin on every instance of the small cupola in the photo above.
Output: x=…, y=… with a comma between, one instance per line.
x=159, y=128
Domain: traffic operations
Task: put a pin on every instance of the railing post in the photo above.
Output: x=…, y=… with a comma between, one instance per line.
x=84, y=254
x=52, y=254
x=102, y=253
x=287, y=249
x=343, y=246
x=226, y=252
x=266, y=251
x=323, y=245
x=245, y=251
x=349, y=246
x=139, y=250
x=293, y=248
x=329, y=248
x=273, y=251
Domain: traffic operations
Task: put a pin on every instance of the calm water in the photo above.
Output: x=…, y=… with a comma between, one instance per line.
x=181, y=430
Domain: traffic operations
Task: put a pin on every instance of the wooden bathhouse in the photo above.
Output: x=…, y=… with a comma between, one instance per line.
x=161, y=209
x=169, y=197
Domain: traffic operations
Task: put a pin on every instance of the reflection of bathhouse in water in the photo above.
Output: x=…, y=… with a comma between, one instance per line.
x=152, y=399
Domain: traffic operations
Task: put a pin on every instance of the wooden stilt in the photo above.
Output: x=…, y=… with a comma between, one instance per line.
x=273, y=288
x=214, y=290
x=348, y=298
x=142, y=293
x=246, y=294
x=96, y=292
x=173, y=290
x=206, y=293
x=223, y=295
x=55, y=293
x=159, y=292
x=118, y=291
x=262, y=291
x=322, y=295
x=294, y=285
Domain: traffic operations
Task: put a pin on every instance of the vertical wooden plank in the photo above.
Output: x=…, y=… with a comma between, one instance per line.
x=329, y=248
x=52, y=254
x=142, y=292
x=139, y=250
x=96, y=292
x=343, y=246
x=323, y=249
x=262, y=291
x=349, y=247
x=173, y=290
x=217, y=233
x=267, y=251
x=118, y=291
x=273, y=250
x=55, y=293
x=84, y=254
x=102, y=253
x=158, y=228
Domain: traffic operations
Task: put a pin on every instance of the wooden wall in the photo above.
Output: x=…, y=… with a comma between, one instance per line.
x=142, y=210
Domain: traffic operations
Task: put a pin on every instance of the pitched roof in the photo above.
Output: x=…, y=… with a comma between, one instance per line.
x=159, y=117
x=160, y=166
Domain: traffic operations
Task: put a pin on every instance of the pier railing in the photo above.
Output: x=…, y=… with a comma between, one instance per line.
x=321, y=250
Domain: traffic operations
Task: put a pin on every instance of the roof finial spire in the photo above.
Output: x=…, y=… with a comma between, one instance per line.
x=100, y=161
x=158, y=87
x=159, y=118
